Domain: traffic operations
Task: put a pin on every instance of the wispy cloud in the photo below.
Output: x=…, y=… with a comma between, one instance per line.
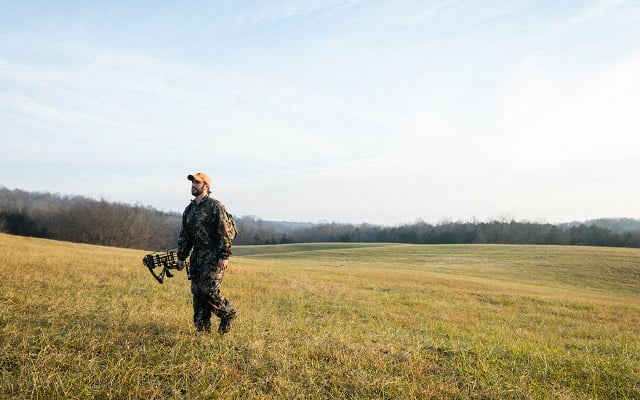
x=272, y=12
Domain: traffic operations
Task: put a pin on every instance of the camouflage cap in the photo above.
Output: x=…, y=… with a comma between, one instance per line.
x=200, y=177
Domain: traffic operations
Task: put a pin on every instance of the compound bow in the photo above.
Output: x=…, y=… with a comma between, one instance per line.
x=166, y=260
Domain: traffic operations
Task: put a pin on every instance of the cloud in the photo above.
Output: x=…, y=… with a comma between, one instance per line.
x=596, y=10
x=271, y=12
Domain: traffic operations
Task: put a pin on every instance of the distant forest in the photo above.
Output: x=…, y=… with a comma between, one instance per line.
x=85, y=220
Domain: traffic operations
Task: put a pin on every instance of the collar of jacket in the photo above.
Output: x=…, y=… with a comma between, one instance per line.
x=195, y=202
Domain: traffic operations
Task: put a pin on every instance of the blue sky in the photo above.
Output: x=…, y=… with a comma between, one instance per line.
x=345, y=111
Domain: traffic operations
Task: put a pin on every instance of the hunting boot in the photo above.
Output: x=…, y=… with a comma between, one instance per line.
x=225, y=323
x=204, y=327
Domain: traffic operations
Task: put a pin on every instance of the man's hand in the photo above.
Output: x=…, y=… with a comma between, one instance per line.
x=180, y=265
x=222, y=264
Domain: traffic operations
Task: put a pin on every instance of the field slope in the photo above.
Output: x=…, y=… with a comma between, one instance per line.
x=325, y=321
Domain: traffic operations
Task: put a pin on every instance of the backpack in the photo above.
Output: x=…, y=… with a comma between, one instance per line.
x=227, y=219
x=230, y=224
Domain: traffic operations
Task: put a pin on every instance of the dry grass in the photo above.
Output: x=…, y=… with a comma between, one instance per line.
x=342, y=321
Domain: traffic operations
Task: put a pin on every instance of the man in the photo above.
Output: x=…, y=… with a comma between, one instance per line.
x=205, y=237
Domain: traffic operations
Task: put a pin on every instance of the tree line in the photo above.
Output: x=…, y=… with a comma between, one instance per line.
x=494, y=232
x=84, y=220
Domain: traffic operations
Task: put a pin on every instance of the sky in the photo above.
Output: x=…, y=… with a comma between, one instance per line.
x=380, y=112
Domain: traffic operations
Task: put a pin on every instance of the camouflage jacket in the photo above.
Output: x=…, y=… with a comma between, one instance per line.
x=204, y=227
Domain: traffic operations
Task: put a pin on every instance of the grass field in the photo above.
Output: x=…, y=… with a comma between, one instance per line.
x=324, y=321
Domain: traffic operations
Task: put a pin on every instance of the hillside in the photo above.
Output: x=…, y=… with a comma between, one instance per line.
x=325, y=321
x=617, y=225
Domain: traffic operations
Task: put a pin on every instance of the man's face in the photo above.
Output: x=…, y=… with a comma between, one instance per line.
x=197, y=187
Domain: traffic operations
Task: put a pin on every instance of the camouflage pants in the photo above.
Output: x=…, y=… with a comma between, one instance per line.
x=205, y=287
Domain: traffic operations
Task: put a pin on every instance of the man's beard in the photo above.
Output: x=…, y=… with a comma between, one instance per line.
x=197, y=192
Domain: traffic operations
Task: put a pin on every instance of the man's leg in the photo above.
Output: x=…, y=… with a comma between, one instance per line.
x=201, y=309
x=220, y=305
